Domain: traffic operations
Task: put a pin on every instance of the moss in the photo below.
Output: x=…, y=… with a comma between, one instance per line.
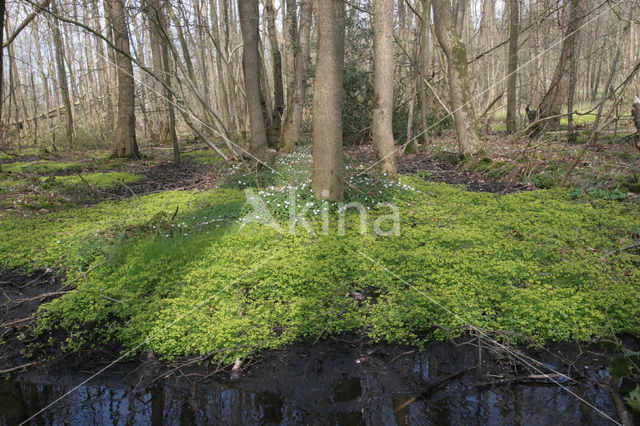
x=630, y=182
x=207, y=158
x=186, y=272
x=40, y=167
x=94, y=180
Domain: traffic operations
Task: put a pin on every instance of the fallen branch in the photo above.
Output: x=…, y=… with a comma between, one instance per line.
x=521, y=379
x=401, y=355
x=432, y=387
x=620, y=250
x=20, y=367
x=18, y=321
x=618, y=403
x=40, y=297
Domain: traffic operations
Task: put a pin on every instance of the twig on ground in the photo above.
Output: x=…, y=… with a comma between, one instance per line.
x=20, y=367
x=620, y=250
x=395, y=358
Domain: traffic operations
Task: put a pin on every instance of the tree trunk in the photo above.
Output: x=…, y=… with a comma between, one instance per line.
x=384, y=78
x=292, y=127
x=125, y=131
x=426, y=101
x=459, y=10
x=635, y=113
x=513, y=66
x=456, y=53
x=248, y=11
x=159, y=116
x=163, y=34
x=290, y=42
x=554, y=99
x=328, y=167
x=62, y=76
x=2, y=7
x=276, y=58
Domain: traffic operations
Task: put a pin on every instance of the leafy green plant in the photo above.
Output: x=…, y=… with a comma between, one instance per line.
x=545, y=180
x=181, y=267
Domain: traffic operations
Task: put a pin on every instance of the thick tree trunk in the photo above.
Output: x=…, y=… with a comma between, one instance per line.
x=459, y=11
x=328, y=166
x=248, y=11
x=292, y=127
x=163, y=35
x=554, y=99
x=220, y=61
x=456, y=53
x=160, y=115
x=384, y=78
x=125, y=144
x=513, y=66
x=290, y=44
x=276, y=58
x=62, y=77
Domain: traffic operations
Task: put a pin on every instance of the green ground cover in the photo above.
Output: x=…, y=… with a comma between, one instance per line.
x=184, y=273
x=40, y=167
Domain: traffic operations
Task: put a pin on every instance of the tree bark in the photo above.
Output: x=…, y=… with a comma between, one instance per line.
x=556, y=95
x=62, y=77
x=292, y=127
x=163, y=33
x=160, y=115
x=2, y=7
x=383, y=88
x=125, y=144
x=426, y=101
x=290, y=45
x=328, y=167
x=513, y=66
x=635, y=113
x=456, y=53
x=276, y=58
x=248, y=12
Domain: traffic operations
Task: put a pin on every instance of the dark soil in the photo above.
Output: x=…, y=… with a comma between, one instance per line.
x=17, y=159
x=157, y=177
x=440, y=170
x=21, y=295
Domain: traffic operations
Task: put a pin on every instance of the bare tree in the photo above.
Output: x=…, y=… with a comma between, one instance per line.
x=248, y=11
x=328, y=166
x=160, y=116
x=291, y=131
x=556, y=95
x=384, y=80
x=276, y=59
x=2, y=7
x=512, y=79
x=62, y=76
x=456, y=53
x=125, y=144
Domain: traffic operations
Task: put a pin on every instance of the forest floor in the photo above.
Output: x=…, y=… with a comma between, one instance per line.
x=103, y=257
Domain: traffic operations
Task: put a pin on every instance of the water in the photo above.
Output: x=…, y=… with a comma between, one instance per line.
x=359, y=399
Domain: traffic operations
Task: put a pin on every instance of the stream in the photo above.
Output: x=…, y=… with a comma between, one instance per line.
x=320, y=385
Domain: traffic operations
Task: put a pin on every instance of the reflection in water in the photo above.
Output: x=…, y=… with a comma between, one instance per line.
x=354, y=401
